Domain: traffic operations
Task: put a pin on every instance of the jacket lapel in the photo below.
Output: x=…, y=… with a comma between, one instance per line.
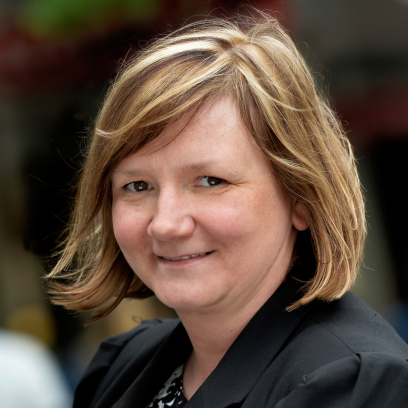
x=244, y=363
x=253, y=351
x=173, y=352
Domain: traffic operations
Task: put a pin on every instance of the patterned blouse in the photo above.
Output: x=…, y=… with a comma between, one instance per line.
x=171, y=395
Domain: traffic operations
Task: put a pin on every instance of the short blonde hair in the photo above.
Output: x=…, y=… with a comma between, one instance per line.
x=257, y=63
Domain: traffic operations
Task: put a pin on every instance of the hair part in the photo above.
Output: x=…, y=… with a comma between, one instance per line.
x=255, y=62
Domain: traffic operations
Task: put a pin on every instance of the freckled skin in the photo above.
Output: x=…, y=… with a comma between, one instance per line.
x=246, y=221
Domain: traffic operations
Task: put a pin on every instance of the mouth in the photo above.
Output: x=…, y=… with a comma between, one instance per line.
x=185, y=257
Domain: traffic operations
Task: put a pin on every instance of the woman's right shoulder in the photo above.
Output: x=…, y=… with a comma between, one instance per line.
x=154, y=330
x=138, y=344
x=148, y=336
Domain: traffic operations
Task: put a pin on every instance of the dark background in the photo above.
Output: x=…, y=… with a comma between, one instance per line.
x=57, y=59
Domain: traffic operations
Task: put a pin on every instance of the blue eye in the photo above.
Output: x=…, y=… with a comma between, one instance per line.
x=138, y=186
x=209, y=181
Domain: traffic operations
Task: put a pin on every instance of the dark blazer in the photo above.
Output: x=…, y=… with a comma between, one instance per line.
x=338, y=354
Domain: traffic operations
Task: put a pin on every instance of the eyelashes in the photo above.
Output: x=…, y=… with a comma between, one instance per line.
x=138, y=186
x=210, y=181
x=141, y=185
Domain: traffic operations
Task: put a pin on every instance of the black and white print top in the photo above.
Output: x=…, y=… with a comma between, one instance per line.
x=171, y=395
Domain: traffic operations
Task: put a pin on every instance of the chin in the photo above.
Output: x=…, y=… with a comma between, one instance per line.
x=187, y=299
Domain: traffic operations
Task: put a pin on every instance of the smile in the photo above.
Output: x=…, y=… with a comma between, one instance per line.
x=183, y=258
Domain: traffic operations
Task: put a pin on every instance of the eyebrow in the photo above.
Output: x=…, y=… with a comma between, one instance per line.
x=199, y=166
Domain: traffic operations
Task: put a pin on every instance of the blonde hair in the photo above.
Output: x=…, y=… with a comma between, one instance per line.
x=257, y=63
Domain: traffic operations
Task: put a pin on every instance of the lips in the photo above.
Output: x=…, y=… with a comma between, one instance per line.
x=185, y=257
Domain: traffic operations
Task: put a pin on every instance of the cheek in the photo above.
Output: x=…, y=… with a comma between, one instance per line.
x=232, y=221
x=254, y=221
x=129, y=228
x=225, y=219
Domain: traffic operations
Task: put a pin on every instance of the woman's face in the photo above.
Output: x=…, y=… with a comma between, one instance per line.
x=201, y=219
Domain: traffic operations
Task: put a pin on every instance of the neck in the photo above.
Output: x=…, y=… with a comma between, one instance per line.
x=213, y=332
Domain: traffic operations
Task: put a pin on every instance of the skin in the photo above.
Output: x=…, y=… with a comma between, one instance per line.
x=244, y=223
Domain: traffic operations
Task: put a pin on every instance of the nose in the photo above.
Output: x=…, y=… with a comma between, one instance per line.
x=172, y=218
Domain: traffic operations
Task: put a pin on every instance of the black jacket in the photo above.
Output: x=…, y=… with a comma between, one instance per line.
x=341, y=354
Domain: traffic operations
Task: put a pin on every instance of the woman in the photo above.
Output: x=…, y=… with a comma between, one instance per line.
x=218, y=179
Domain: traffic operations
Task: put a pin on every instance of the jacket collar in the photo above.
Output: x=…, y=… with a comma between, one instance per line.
x=241, y=367
x=253, y=351
x=172, y=353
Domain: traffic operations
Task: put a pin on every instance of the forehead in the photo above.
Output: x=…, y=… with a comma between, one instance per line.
x=214, y=133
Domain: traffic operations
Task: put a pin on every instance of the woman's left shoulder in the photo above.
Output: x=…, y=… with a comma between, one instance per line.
x=358, y=327
x=354, y=359
x=373, y=379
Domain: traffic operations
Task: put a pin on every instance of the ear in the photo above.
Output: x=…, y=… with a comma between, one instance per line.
x=299, y=216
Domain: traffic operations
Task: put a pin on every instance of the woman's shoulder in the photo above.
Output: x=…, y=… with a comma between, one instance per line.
x=115, y=352
x=359, y=328
x=155, y=330
x=369, y=379
x=148, y=335
x=342, y=354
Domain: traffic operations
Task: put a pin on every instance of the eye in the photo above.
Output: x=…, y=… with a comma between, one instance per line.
x=138, y=186
x=209, y=181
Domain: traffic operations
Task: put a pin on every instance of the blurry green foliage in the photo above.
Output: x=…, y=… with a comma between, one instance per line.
x=72, y=17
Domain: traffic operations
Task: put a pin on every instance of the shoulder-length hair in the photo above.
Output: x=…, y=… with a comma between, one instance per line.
x=257, y=64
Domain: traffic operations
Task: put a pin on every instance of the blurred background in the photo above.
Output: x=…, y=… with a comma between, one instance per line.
x=57, y=59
